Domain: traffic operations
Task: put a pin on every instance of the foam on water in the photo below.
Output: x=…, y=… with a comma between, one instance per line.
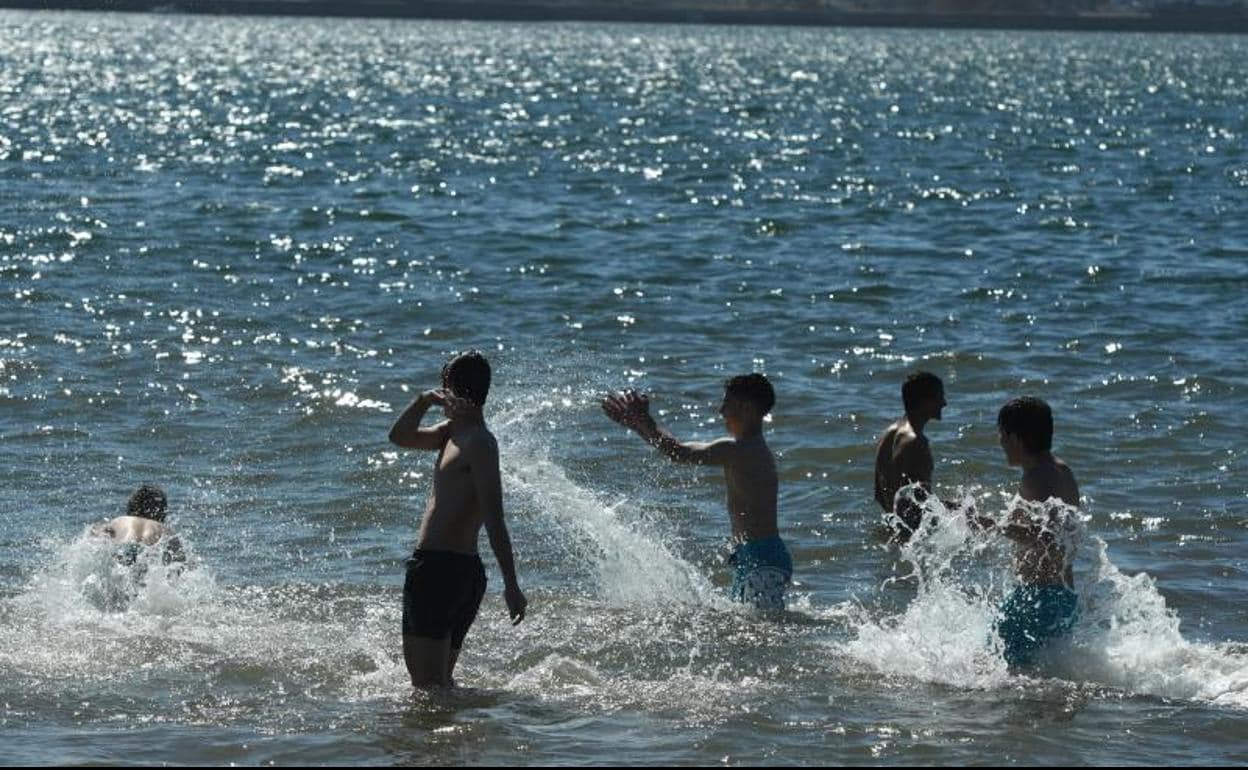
x=1125, y=636
x=231, y=650
x=81, y=605
x=83, y=578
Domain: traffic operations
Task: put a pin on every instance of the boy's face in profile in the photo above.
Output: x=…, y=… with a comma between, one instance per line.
x=738, y=415
x=455, y=404
x=1012, y=446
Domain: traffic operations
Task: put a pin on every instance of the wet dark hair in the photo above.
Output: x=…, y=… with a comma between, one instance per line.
x=753, y=389
x=1031, y=420
x=919, y=387
x=148, y=502
x=467, y=375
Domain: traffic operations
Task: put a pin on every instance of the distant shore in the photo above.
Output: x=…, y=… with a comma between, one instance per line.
x=1179, y=20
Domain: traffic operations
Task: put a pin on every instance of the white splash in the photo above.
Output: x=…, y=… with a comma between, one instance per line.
x=1125, y=636
x=632, y=565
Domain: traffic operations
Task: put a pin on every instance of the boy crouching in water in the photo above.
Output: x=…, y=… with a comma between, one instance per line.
x=762, y=566
x=445, y=578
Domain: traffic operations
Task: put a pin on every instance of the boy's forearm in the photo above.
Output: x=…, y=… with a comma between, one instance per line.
x=412, y=416
x=415, y=411
x=500, y=543
x=1019, y=533
x=660, y=439
x=1010, y=530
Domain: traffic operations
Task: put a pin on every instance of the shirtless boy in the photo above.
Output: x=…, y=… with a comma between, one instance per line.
x=761, y=561
x=445, y=577
x=1044, y=606
x=904, y=455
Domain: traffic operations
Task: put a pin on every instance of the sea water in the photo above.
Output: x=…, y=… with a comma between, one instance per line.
x=231, y=250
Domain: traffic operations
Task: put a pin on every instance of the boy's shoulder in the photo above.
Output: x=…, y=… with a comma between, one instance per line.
x=894, y=429
x=752, y=448
x=1047, y=480
x=1055, y=468
x=478, y=439
x=906, y=438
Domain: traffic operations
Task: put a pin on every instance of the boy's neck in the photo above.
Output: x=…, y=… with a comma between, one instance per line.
x=472, y=419
x=917, y=422
x=750, y=432
x=1029, y=461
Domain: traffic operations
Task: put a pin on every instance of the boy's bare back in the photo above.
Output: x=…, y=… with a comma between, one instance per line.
x=135, y=529
x=902, y=457
x=753, y=484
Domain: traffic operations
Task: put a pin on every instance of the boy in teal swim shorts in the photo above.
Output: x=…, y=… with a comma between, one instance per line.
x=762, y=568
x=1044, y=606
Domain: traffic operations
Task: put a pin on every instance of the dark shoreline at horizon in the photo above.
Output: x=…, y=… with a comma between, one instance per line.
x=594, y=11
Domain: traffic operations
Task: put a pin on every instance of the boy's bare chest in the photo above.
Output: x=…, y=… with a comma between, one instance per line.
x=452, y=465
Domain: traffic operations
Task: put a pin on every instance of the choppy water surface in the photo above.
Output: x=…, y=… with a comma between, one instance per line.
x=230, y=250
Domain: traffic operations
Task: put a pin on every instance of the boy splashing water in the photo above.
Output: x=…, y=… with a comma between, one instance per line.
x=904, y=456
x=1044, y=606
x=143, y=526
x=445, y=578
x=762, y=566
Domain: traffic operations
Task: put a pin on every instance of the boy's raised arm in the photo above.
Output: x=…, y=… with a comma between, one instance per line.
x=406, y=431
x=632, y=410
x=482, y=458
x=693, y=452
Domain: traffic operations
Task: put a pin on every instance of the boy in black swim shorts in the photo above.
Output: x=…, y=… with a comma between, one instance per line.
x=445, y=578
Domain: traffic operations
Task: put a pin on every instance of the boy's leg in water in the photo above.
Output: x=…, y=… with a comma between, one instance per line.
x=428, y=661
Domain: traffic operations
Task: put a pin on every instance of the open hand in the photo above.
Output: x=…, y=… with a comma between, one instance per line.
x=630, y=408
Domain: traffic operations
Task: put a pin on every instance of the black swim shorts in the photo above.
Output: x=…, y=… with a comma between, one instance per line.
x=442, y=594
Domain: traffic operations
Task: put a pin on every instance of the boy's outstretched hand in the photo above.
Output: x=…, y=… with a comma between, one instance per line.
x=630, y=408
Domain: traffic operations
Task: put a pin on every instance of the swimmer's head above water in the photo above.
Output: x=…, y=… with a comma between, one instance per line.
x=148, y=502
x=748, y=398
x=1025, y=426
x=923, y=395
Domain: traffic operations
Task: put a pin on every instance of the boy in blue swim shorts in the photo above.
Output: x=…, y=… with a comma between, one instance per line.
x=762, y=568
x=1045, y=605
